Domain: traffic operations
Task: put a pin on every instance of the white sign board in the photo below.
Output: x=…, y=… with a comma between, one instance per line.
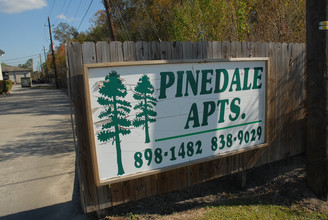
x=148, y=116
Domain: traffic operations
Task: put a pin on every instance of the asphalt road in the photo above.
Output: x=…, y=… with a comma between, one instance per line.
x=37, y=156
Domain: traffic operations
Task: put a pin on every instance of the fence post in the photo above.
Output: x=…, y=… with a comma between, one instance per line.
x=317, y=92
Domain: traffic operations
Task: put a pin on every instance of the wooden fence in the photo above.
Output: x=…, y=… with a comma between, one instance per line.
x=286, y=84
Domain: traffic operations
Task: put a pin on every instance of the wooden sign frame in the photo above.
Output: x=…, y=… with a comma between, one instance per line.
x=91, y=132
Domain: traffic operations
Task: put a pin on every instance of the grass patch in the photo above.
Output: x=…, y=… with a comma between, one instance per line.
x=260, y=211
x=132, y=216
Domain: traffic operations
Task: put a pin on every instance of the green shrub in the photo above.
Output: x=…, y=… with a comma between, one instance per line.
x=2, y=86
x=5, y=86
x=9, y=85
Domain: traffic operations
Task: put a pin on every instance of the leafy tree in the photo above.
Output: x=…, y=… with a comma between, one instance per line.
x=60, y=62
x=116, y=109
x=99, y=29
x=134, y=20
x=64, y=32
x=27, y=65
x=279, y=21
x=200, y=20
x=144, y=91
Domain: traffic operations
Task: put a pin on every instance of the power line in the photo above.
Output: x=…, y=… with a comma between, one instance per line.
x=19, y=58
x=60, y=12
x=53, y=54
x=51, y=10
x=69, y=4
x=65, y=13
x=78, y=8
x=16, y=63
x=151, y=22
x=19, y=62
x=122, y=22
x=52, y=7
x=85, y=14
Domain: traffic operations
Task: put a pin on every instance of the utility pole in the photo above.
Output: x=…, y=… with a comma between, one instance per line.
x=110, y=19
x=32, y=74
x=45, y=60
x=317, y=94
x=41, y=64
x=53, y=54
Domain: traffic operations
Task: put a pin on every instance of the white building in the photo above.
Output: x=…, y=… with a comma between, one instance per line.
x=1, y=54
x=15, y=73
x=1, y=77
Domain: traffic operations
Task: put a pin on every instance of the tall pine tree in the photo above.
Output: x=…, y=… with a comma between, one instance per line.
x=143, y=93
x=116, y=109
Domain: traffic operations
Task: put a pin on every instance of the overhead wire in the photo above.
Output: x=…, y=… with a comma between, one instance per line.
x=52, y=7
x=44, y=34
x=45, y=38
x=78, y=8
x=17, y=63
x=151, y=22
x=85, y=14
x=20, y=61
x=69, y=4
x=122, y=22
x=60, y=12
x=19, y=58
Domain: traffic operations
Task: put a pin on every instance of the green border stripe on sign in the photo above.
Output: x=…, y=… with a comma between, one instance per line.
x=202, y=132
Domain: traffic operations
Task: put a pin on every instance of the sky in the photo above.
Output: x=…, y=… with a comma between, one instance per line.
x=24, y=25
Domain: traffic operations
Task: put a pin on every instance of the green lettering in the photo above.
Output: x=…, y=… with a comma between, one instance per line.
x=234, y=108
x=179, y=83
x=235, y=81
x=209, y=108
x=246, y=87
x=205, y=81
x=256, y=77
x=222, y=109
x=193, y=116
x=218, y=80
x=192, y=81
x=167, y=80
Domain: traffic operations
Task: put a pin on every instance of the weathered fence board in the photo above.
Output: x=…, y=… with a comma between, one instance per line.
x=261, y=50
x=142, y=50
x=129, y=51
x=283, y=101
x=103, y=52
x=285, y=109
x=271, y=100
x=89, y=192
x=89, y=56
x=140, y=188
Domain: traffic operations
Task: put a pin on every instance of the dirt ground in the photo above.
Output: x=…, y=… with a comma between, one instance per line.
x=281, y=183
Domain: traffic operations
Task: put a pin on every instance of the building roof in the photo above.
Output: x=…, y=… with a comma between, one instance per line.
x=1, y=52
x=8, y=69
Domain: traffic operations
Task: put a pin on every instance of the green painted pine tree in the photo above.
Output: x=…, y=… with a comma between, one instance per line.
x=143, y=93
x=117, y=110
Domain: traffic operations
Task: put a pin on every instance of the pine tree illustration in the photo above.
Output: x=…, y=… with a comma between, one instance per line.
x=144, y=91
x=116, y=109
